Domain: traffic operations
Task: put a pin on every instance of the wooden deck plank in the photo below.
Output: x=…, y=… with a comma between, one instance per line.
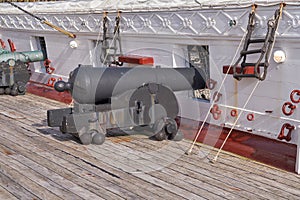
x=14, y=187
x=4, y=194
x=179, y=169
x=85, y=188
x=62, y=146
x=63, y=180
x=278, y=175
x=228, y=174
x=163, y=172
x=225, y=171
x=231, y=177
x=172, y=187
x=19, y=164
x=227, y=184
x=31, y=134
x=30, y=185
x=250, y=175
x=101, y=158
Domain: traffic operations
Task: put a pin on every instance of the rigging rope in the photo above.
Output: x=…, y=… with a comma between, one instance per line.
x=222, y=83
x=251, y=94
x=236, y=120
x=99, y=34
x=115, y=33
x=98, y=38
x=214, y=99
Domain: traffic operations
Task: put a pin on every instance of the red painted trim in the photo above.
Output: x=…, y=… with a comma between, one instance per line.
x=134, y=59
x=48, y=92
x=250, y=70
x=247, y=70
x=233, y=113
x=225, y=69
x=272, y=152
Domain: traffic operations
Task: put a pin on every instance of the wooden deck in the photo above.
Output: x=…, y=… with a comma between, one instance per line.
x=38, y=162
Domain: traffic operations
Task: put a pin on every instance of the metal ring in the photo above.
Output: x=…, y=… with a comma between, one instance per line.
x=250, y=117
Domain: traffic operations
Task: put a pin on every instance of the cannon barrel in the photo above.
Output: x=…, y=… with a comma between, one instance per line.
x=26, y=56
x=93, y=85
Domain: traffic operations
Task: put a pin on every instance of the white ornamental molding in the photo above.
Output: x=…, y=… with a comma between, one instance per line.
x=194, y=23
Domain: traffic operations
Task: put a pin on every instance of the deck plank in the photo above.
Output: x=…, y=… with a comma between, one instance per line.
x=85, y=188
x=226, y=184
x=79, y=155
x=228, y=172
x=230, y=183
x=22, y=179
x=18, y=163
x=180, y=179
x=165, y=185
x=7, y=191
x=116, y=164
x=37, y=160
x=4, y=194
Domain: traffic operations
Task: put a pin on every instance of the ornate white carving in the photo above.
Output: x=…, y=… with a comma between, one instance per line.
x=190, y=22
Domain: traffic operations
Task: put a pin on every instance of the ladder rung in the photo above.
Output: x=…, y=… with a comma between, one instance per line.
x=111, y=38
x=245, y=76
x=252, y=64
x=111, y=54
x=257, y=41
x=251, y=51
x=112, y=48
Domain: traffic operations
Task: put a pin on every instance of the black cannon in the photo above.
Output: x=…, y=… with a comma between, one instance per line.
x=139, y=100
x=14, y=71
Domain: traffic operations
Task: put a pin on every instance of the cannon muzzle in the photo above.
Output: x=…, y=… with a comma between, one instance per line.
x=62, y=86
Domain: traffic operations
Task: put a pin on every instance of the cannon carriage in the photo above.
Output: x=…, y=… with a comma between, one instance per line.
x=134, y=100
x=14, y=70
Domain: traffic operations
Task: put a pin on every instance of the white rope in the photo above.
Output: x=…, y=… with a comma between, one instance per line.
x=251, y=94
x=97, y=41
x=98, y=38
x=216, y=97
x=236, y=120
x=112, y=42
x=199, y=131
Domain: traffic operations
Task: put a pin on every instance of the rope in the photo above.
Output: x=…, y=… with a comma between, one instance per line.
x=236, y=120
x=206, y=117
x=99, y=34
x=98, y=37
x=117, y=29
x=251, y=94
x=214, y=99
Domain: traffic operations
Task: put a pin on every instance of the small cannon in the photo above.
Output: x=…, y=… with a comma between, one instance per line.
x=135, y=100
x=14, y=72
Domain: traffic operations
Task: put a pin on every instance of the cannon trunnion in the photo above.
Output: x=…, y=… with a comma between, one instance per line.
x=134, y=100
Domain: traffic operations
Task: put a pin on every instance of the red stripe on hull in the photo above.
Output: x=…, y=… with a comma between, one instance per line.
x=48, y=92
x=278, y=154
